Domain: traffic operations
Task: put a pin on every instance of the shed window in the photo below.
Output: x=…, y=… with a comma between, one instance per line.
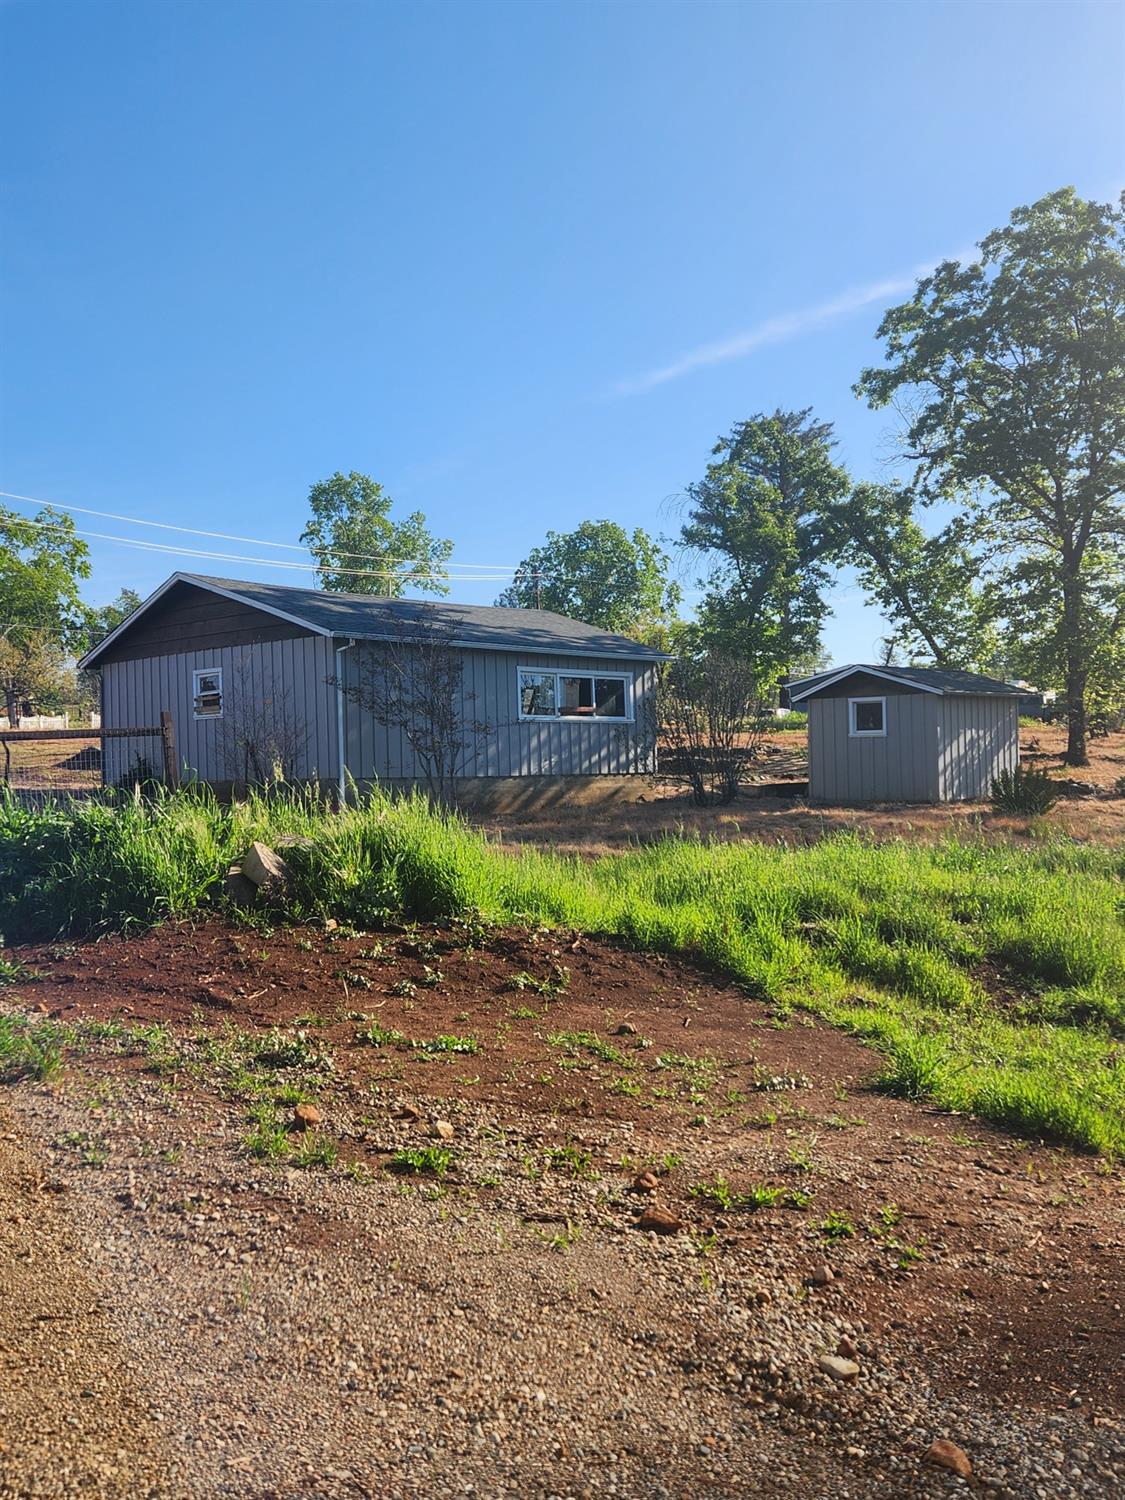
x=867, y=716
x=208, y=693
x=573, y=695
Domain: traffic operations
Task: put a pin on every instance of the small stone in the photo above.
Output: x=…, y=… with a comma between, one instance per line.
x=659, y=1220
x=822, y=1276
x=626, y=1029
x=645, y=1182
x=330, y=924
x=443, y=1130
x=946, y=1455
x=846, y=1348
x=408, y=1112
x=306, y=1116
x=839, y=1369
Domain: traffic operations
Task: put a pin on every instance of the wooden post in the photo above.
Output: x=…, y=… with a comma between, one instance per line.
x=168, y=741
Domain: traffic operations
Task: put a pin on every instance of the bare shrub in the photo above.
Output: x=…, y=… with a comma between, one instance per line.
x=414, y=682
x=263, y=740
x=713, y=717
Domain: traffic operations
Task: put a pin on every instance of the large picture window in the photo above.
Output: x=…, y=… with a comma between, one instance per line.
x=867, y=717
x=207, y=691
x=574, y=695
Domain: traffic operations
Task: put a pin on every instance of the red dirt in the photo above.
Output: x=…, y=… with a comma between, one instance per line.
x=1019, y=1284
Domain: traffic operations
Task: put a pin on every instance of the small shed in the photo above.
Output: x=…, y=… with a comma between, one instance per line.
x=907, y=734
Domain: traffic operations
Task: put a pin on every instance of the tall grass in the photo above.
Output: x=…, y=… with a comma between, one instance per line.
x=991, y=977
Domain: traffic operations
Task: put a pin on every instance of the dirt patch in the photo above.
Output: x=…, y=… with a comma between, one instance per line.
x=772, y=818
x=998, y=1262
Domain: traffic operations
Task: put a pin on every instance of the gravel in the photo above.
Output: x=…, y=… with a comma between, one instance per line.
x=270, y=1332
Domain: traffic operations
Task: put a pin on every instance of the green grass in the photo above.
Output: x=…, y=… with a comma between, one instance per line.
x=991, y=977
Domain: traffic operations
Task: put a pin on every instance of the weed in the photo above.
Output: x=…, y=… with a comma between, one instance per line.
x=91, y=1150
x=572, y=1160
x=837, y=1226
x=380, y=1036
x=433, y=1161
x=30, y=1049
x=588, y=1041
x=405, y=988
x=267, y=1142
x=437, y=1045
x=315, y=1150
x=552, y=984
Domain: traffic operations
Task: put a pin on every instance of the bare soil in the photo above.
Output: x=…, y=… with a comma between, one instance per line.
x=978, y=1276
x=667, y=808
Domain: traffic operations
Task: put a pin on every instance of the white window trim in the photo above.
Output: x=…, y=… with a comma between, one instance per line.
x=556, y=718
x=195, y=676
x=866, y=734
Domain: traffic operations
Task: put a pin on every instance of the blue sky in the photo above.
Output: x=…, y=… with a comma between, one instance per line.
x=523, y=263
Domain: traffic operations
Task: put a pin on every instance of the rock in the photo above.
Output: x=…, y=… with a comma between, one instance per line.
x=846, y=1348
x=645, y=1182
x=946, y=1455
x=330, y=924
x=659, y=1220
x=265, y=867
x=626, y=1029
x=238, y=888
x=443, y=1130
x=306, y=1116
x=822, y=1276
x=408, y=1112
x=839, y=1369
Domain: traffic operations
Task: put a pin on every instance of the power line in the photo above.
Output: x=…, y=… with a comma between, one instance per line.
x=225, y=536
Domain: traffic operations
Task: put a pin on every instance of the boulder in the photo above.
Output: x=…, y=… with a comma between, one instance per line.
x=265, y=867
x=237, y=888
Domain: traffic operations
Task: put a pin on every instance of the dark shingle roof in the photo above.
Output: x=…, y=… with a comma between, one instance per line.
x=367, y=617
x=928, y=679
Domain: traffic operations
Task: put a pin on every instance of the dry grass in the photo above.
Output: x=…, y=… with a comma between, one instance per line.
x=667, y=809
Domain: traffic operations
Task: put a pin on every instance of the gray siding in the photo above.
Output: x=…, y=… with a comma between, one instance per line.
x=978, y=737
x=193, y=619
x=900, y=766
x=564, y=747
x=277, y=690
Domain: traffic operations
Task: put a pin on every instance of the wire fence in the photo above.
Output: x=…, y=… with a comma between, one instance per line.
x=41, y=765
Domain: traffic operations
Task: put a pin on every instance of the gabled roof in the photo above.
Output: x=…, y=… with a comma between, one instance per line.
x=366, y=617
x=924, y=679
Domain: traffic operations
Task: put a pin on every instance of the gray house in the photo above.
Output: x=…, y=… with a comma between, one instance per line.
x=257, y=672
x=906, y=734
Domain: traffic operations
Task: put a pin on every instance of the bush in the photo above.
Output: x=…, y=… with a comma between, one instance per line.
x=1023, y=791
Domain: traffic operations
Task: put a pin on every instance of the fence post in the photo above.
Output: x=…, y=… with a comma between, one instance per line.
x=168, y=741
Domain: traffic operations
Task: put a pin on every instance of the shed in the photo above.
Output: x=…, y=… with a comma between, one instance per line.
x=550, y=703
x=906, y=734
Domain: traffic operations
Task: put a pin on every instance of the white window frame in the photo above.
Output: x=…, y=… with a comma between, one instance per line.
x=217, y=673
x=866, y=734
x=626, y=678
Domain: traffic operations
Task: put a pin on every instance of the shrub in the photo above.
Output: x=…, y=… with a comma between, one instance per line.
x=1023, y=791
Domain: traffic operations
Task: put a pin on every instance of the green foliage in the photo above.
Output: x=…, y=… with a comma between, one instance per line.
x=1012, y=368
x=29, y=1049
x=600, y=574
x=757, y=517
x=886, y=940
x=432, y=1160
x=42, y=559
x=360, y=550
x=1023, y=791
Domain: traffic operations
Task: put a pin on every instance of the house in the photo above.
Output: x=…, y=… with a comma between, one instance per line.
x=257, y=673
x=906, y=734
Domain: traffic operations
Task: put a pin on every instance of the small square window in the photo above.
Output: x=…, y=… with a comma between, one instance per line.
x=867, y=716
x=208, y=693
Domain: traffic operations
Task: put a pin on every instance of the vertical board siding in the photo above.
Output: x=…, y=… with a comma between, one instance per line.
x=900, y=766
x=979, y=737
x=279, y=687
x=511, y=746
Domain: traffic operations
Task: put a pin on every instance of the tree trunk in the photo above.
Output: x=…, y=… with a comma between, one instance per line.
x=12, y=699
x=1076, y=668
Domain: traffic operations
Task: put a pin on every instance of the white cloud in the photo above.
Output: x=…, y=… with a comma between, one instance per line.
x=777, y=330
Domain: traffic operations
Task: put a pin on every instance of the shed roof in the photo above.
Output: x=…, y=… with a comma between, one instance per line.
x=369, y=617
x=944, y=682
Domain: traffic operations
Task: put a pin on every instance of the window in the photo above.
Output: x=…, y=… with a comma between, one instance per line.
x=208, y=693
x=573, y=695
x=867, y=716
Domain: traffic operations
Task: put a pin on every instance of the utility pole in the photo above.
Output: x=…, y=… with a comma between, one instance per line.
x=538, y=589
